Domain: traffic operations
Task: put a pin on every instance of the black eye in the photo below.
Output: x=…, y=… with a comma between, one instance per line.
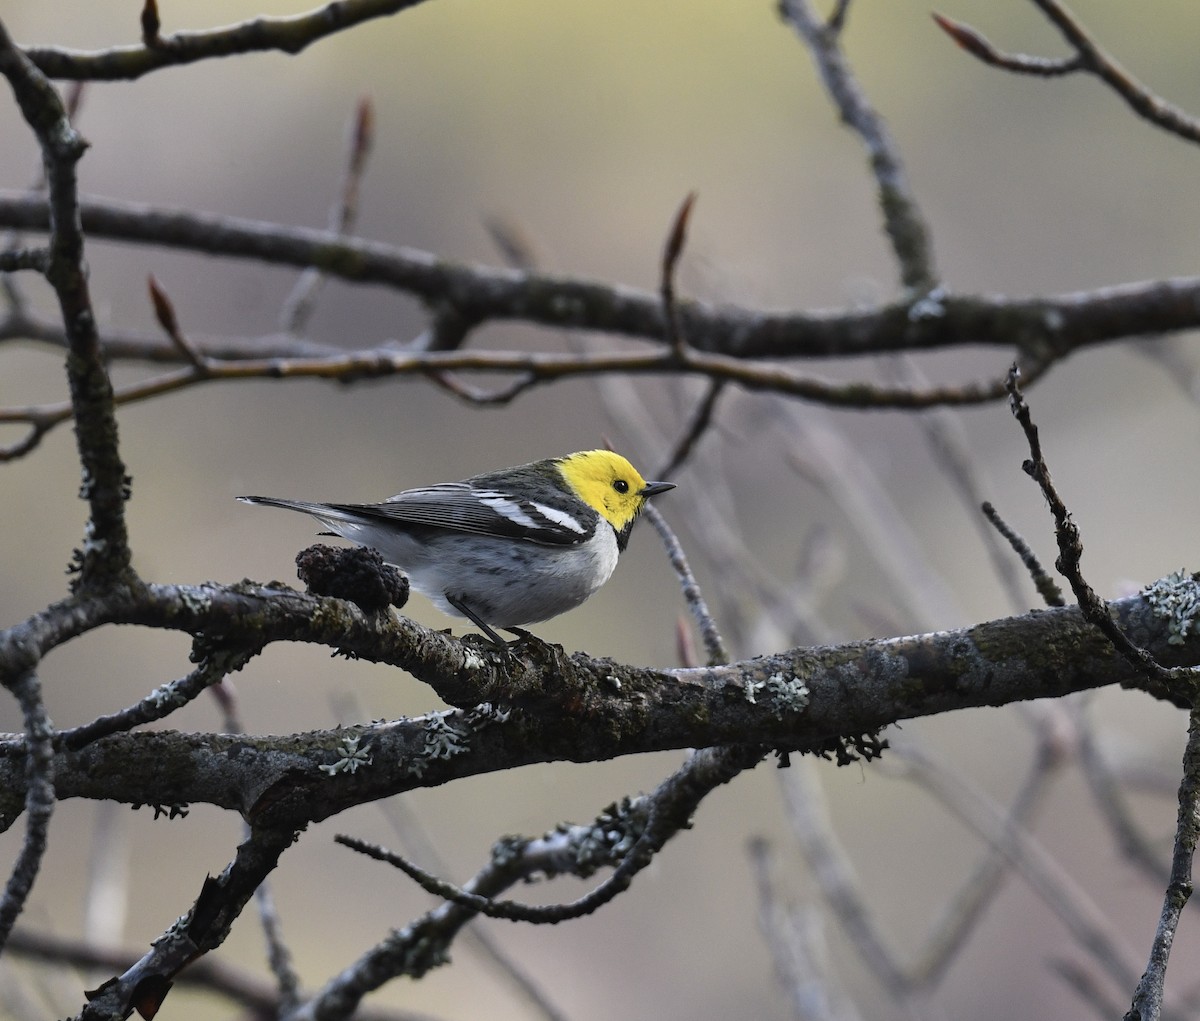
x=621, y=486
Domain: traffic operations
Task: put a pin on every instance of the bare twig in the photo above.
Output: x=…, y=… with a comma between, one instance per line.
x=529, y=369
x=1148, y=998
x=1047, y=587
x=513, y=242
x=407, y=825
x=1106, y=790
x=656, y=819
x=823, y=454
x=965, y=909
x=796, y=941
x=16, y=259
x=1046, y=327
x=905, y=226
x=300, y=303
x=975, y=44
x=696, y=428
x=164, y=311
x=836, y=879
x=279, y=955
x=628, y=836
x=946, y=438
x=672, y=250
x=1054, y=884
x=160, y=703
x=1089, y=58
x=714, y=645
x=1071, y=548
x=105, y=557
x=151, y=25
x=286, y=34
x=145, y=984
x=1084, y=982
x=39, y=795
x=211, y=974
x=837, y=17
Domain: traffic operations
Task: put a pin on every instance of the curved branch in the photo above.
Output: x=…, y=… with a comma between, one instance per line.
x=905, y=226
x=105, y=556
x=570, y=708
x=528, y=370
x=258, y=35
x=1047, y=326
x=37, y=766
x=1089, y=57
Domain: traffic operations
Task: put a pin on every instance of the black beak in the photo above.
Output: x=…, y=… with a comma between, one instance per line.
x=654, y=488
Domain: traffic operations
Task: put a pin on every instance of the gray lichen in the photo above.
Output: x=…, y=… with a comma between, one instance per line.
x=352, y=757
x=1176, y=598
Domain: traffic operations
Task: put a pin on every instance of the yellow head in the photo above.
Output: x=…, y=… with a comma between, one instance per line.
x=611, y=485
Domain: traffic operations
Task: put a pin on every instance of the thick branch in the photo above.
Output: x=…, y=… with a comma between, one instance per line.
x=562, y=708
x=1047, y=327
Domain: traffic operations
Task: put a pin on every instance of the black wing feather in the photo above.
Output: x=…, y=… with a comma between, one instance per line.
x=458, y=506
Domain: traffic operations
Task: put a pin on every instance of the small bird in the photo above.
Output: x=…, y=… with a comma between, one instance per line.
x=504, y=548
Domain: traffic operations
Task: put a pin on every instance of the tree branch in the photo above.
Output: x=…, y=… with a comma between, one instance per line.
x=1048, y=327
x=562, y=708
x=104, y=557
x=258, y=35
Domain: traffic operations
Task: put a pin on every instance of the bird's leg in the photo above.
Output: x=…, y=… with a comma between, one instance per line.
x=471, y=615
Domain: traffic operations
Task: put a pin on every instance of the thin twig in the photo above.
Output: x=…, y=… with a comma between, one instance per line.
x=696, y=428
x=1047, y=587
x=1105, y=788
x=1071, y=549
x=946, y=438
x=1139, y=98
x=164, y=311
x=279, y=955
x=530, y=369
x=1089, y=57
x=977, y=45
x=210, y=974
x=16, y=259
x=799, y=951
x=665, y=813
x=1148, y=997
x=837, y=880
x=1085, y=984
x=151, y=25
x=965, y=910
x=298, y=306
x=423, y=944
x=105, y=558
x=407, y=825
x=905, y=226
x=672, y=250
x=39, y=797
x=289, y=34
x=513, y=243
x=160, y=703
x=1030, y=860
x=837, y=17
x=714, y=645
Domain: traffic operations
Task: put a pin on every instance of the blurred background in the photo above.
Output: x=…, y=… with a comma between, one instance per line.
x=585, y=125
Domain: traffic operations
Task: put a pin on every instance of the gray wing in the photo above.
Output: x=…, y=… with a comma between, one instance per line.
x=467, y=508
x=457, y=506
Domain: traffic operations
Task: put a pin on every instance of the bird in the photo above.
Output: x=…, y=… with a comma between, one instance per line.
x=505, y=548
